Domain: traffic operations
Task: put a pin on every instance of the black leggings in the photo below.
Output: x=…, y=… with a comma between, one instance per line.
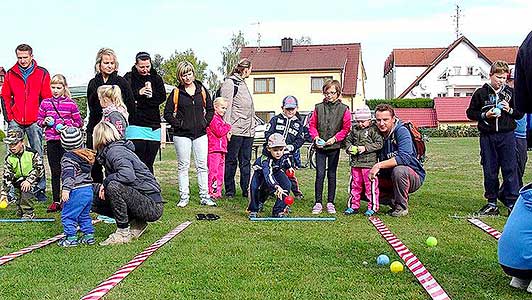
x=54, y=152
x=521, y=274
x=326, y=160
x=147, y=151
x=125, y=203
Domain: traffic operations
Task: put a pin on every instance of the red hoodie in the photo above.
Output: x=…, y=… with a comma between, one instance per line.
x=22, y=99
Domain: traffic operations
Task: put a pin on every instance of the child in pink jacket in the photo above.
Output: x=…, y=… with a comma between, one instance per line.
x=217, y=133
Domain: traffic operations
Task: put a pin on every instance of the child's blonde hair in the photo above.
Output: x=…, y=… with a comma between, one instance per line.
x=111, y=94
x=104, y=134
x=60, y=79
x=219, y=100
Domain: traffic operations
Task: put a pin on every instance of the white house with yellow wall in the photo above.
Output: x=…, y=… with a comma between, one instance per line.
x=301, y=71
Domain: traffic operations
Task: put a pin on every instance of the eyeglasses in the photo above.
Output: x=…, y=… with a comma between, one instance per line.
x=330, y=93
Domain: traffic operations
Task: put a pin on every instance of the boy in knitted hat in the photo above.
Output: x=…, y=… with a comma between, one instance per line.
x=77, y=192
x=269, y=178
x=23, y=169
x=362, y=145
x=290, y=127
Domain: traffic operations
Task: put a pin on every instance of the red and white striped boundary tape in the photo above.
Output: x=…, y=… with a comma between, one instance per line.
x=428, y=282
x=9, y=257
x=104, y=287
x=493, y=232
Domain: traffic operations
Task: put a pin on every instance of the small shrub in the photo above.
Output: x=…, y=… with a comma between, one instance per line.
x=402, y=103
x=451, y=131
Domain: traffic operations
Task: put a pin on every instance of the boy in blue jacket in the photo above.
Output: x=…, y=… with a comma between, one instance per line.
x=290, y=127
x=269, y=178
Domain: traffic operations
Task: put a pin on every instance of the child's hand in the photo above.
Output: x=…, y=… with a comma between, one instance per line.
x=228, y=136
x=361, y=149
x=319, y=142
x=65, y=195
x=49, y=121
x=25, y=186
x=279, y=192
x=504, y=105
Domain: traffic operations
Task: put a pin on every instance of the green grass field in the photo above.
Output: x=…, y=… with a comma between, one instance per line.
x=233, y=258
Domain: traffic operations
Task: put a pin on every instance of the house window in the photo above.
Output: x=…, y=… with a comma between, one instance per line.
x=457, y=94
x=469, y=94
x=264, y=86
x=457, y=70
x=441, y=95
x=469, y=70
x=316, y=83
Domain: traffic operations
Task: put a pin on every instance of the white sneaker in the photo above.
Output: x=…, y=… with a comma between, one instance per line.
x=182, y=203
x=529, y=289
x=208, y=202
x=519, y=283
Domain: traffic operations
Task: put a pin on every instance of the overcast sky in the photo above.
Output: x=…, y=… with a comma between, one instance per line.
x=66, y=35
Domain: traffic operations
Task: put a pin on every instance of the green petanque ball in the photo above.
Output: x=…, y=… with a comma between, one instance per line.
x=431, y=241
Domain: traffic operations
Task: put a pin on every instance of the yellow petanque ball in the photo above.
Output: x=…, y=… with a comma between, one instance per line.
x=431, y=241
x=3, y=204
x=396, y=267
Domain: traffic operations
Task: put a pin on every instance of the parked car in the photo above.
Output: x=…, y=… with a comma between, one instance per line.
x=260, y=129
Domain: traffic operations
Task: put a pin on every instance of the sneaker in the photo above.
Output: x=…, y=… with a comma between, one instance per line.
x=519, y=283
x=182, y=203
x=330, y=208
x=261, y=206
x=253, y=215
x=68, y=242
x=54, y=207
x=87, y=239
x=399, y=212
x=350, y=211
x=529, y=289
x=207, y=202
x=299, y=197
x=281, y=215
x=137, y=228
x=28, y=216
x=316, y=210
x=121, y=236
x=369, y=212
x=489, y=210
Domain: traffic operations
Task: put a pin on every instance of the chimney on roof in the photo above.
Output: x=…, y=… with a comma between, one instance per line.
x=286, y=45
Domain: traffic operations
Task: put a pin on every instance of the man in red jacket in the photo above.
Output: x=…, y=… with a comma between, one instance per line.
x=25, y=86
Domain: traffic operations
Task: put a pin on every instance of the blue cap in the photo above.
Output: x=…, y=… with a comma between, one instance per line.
x=289, y=102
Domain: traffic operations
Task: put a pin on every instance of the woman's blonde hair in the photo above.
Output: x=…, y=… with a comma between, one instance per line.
x=100, y=54
x=104, y=133
x=60, y=79
x=111, y=94
x=219, y=100
x=183, y=68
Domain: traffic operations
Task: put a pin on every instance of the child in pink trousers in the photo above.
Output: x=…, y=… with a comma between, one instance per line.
x=362, y=145
x=217, y=134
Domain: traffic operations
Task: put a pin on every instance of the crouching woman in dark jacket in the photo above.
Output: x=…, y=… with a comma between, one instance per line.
x=129, y=193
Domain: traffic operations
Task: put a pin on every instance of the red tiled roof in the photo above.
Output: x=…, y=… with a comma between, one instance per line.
x=344, y=57
x=451, y=109
x=508, y=54
x=421, y=117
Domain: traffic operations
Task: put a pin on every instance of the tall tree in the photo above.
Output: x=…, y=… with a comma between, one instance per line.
x=156, y=62
x=231, y=53
x=169, y=66
x=303, y=40
x=212, y=81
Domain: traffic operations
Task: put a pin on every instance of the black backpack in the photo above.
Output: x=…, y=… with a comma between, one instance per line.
x=235, y=88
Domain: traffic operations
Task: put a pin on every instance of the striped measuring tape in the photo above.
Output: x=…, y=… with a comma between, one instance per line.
x=9, y=257
x=428, y=282
x=493, y=232
x=104, y=287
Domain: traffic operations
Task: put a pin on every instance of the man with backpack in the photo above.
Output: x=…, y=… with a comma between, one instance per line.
x=399, y=170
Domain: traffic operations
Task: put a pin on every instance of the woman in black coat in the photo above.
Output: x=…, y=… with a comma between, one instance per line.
x=106, y=74
x=144, y=128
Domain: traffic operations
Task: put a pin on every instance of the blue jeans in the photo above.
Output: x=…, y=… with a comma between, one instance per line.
x=34, y=133
x=76, y=211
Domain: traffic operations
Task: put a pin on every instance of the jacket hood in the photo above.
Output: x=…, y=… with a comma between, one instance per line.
x=120, y=143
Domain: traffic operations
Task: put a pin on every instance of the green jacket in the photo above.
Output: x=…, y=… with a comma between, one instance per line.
x=368, y=137
x=25, y=166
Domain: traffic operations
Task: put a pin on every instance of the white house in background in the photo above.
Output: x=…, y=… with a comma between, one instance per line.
x=455, y=71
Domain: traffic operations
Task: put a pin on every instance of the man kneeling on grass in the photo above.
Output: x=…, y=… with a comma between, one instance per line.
x=401, y=173
x=269, y=178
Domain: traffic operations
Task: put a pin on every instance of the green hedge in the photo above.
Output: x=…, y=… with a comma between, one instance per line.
x=451, y=131
x=402, y=103
x=82, y=105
